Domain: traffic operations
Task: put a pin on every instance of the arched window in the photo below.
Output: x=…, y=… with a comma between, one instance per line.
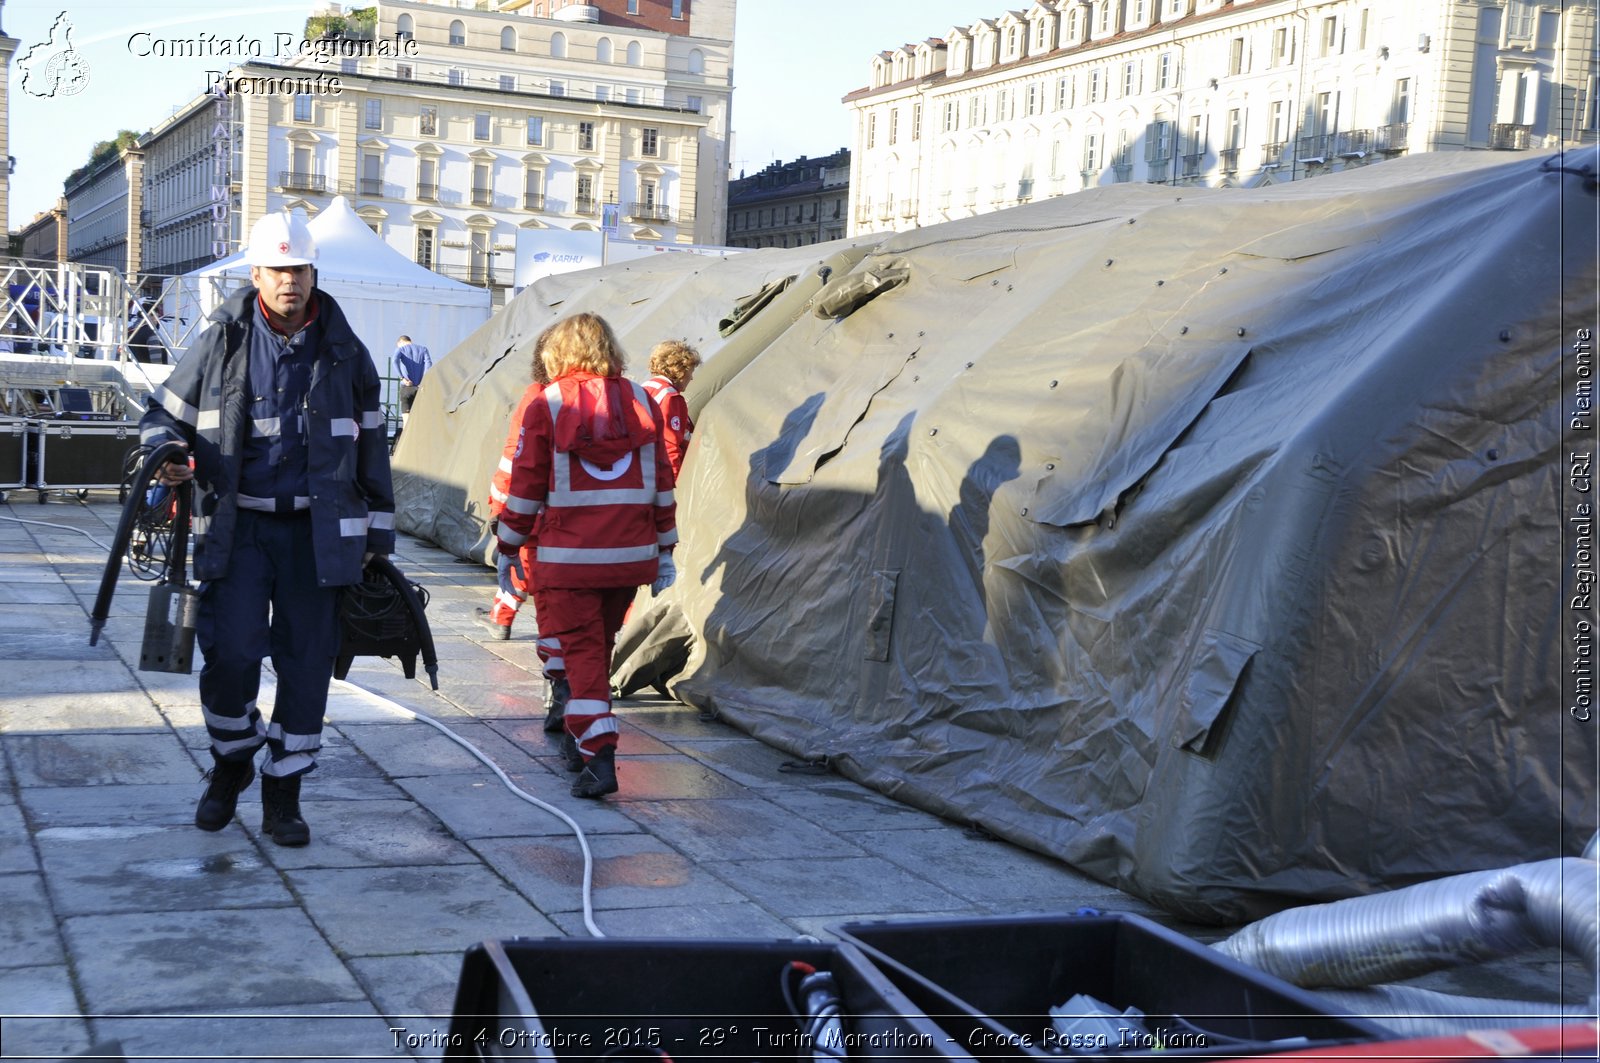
x=404, y=28
x=635, y=53
x=602, y=50
x=508, y=40
x=697, y=61
x=458, y=32
x=558, y=45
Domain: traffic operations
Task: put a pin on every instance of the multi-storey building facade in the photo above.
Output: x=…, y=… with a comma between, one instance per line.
x=1071, y=94
x=103, y=207
x=456, y=132
x=791, y=204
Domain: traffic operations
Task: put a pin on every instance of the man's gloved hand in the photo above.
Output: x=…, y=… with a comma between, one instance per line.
x=509, y=560
x=666, y=572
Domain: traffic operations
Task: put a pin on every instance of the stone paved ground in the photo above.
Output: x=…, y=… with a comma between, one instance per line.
x=122, y=922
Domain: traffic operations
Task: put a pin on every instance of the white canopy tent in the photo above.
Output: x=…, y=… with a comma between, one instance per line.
x=383, y=293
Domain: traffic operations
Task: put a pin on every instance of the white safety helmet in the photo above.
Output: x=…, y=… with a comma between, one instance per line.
x=281, y=239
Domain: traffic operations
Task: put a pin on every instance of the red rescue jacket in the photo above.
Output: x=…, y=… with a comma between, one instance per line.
x=591, y=484
x=675, y=412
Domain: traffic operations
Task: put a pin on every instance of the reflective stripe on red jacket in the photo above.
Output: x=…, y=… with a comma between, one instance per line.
x=500, y=482
x=675, y=413
x=591, y=483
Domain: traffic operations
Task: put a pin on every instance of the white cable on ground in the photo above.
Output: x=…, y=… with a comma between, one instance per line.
x=583, y=841
x=63, y=527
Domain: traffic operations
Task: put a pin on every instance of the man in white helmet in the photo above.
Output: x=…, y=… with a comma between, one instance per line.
x=278, y=405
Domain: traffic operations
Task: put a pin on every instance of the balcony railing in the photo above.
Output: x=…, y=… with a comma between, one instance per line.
x=1228, y=158
x=371, y=186
x=1090, y=175
x=649, y=211
x=1157, y=171
x=1353, y=143
x=1508, y=137
x=586, y=205
x=1272, y=152
x=1194, y=164
x=427, y=192
x=533, y=201
x=1393, y=138
x=1313, y=150
x=1123, y=171
x=303, y=182
x=482, y=197
x=970, y=198
x=908, y=208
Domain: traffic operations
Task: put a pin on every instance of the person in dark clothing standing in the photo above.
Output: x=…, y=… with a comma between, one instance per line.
x=278, y=405
x=411, y=360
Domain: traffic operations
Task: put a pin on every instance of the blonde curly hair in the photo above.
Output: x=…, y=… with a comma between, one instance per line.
x=675, y=360
x=582, y=341
x=540, y=376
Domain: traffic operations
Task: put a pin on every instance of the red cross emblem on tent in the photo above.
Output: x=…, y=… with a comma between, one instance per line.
x=283, y=248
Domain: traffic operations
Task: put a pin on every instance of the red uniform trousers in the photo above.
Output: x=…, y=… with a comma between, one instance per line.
x=585, y=622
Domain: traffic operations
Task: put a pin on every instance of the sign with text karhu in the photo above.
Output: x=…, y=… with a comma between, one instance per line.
x=542, y=252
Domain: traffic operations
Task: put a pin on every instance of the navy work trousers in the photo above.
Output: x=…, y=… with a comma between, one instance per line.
x=268, y=603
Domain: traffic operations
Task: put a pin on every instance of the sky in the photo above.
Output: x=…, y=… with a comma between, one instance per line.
x=792, y=64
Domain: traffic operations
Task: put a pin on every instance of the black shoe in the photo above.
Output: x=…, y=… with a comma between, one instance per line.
x=498, y=632
x=599, y=775
x=555, y=704
x=226, y=780
x=280, y=810
x=570, y=753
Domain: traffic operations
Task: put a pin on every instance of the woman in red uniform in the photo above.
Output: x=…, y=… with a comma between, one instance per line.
x=591, y=488
x=672, y=366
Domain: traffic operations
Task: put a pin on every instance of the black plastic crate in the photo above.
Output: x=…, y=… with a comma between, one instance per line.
x=584, y=999
x=991, y=983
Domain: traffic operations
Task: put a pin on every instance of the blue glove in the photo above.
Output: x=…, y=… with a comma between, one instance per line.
x=666, y=572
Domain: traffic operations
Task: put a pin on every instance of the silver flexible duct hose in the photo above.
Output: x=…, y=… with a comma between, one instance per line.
x=1407, y=1011
x=1450, y=922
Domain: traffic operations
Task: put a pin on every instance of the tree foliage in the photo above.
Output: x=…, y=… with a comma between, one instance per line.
x=103, y=151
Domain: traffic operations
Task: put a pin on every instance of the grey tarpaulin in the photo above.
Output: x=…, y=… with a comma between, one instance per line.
x=1205, y=539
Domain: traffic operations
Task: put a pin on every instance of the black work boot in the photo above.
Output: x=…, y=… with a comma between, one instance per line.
x=571, y=755
x=280, y=810
x=599, y=775
x=555, y=704
x=225, y=781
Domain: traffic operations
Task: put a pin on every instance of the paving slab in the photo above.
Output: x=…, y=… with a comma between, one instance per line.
x=843, y=807
x=488, y=701
x=45, y=992
x=479, y=806
x=668, y=720
x=396, y=910
x=736, y=829
x=340, y=1030
x=751, y=764
x=48, y=633
x=36, y=594
x=28, y=935
x=155, y=869
x=123, y=712
x=416, y=993
x=258, y=960
x=630, y=871
x=854, y=884
x=713, y=922
x=144, y=804
x=16, y=846
x=374, y=833
x=98, y=759
x=411, y=748
x=669, y=778
x=985, y=871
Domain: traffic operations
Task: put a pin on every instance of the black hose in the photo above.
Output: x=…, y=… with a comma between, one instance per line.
x=159, y=456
